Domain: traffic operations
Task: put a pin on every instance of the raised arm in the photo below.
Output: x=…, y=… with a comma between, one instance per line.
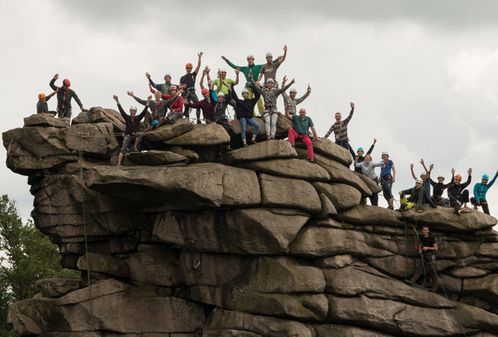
x=199, y=57
x=493, y=180
x=120, y=108
x=139, y=100
x=150, y=80
x=372, y=146
x=52, y=82
x=282, y=58
x=303, y=97
x=50, y=96
x=229, y=63
x=233, y=94
x=469, y=178
x=144, y=111
x=237, y=72
x=350, y=113
x=427, y=171
x=285, y=88
x=413, y=172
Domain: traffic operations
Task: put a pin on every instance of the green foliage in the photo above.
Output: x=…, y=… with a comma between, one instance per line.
x=26, y=256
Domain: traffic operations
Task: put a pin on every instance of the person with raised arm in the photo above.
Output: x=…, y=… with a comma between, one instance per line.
x=480, y=190
x=187, y=83
x=270, y=94
x=300, y=131
x=42, y=105
x=358, y=158
x=340, y=129
x=244, y=112
x=457, y=192
x=438, y=189
x=269, y=69
x=132, y=130
x=159, y=108
x=162, y=87
x=291, y=101
x=64, y=96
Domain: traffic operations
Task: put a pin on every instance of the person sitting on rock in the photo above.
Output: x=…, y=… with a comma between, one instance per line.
x=206, y=105
x=418, y=196
x=300, y=131
x=132, y=130
x=244, y=111
x=163, y=87
x=42, y=105
x=340, y=129
x=367, y=168
x=457, y=192
x=480, y=190
x=270, y=94
x=358, y=158
x=187, y=83
x=426, y=248
x=176, y=105
x=387, y=179
x=159, y=108
x=425, y=176
x=291, y=102
x=269, y=69
x=438, y=189
x=220, y=107
x=64, y=96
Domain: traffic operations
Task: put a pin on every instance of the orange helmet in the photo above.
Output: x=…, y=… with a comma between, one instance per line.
x=41, y=95
x=188, y=66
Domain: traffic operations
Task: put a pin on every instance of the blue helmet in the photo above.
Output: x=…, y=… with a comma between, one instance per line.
x=360, y=149
x=485, y=177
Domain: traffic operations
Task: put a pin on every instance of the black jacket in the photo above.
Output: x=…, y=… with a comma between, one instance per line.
x=64, y=97
x=244, y=108
x=132, y=124
x=454, y=191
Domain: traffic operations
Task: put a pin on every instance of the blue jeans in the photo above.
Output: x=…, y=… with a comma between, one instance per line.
x=243, y=125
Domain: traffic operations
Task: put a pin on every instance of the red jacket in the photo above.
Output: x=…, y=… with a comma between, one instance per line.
x=177, y=105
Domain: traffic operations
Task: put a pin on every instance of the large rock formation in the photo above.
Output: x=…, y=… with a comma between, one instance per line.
x=191, y=240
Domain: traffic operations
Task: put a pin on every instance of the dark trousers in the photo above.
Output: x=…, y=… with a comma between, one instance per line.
x=345, y=144
x=374, y=199
x=427, y=264
x=64, y=113
x=461, y=199
x=191, y=95
x=386, y=182
x=482, y=203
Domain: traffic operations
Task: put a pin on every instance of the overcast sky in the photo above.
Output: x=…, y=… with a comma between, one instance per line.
x=423, y=74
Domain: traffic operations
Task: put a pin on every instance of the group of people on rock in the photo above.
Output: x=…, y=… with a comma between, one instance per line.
x=170, y=102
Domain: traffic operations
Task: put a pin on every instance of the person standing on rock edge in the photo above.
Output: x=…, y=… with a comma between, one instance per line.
x=367, y=168
x=244, y=111
x=340, y=129
x=270, y=94
x=480, y=190
x=359, y=156
x=163, y=87
x=187, y=83
x=300, y=131
x=132, y=131
x=269, y=69
x=42, y=106
x=457, y=193
x=387, y=179
x=426, y=248
x=64, y=96
x=291, y=102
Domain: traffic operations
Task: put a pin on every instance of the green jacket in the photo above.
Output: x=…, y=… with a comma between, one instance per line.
x=251, y=73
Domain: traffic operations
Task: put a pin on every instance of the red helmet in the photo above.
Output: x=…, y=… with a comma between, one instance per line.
x=173, y=87
x=204, y=91
x=189, y=66
x=66, y=83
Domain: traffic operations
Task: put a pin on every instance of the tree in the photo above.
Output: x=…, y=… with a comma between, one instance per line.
x=26, y=256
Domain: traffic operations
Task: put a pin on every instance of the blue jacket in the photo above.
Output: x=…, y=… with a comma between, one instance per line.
x=480, y=189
